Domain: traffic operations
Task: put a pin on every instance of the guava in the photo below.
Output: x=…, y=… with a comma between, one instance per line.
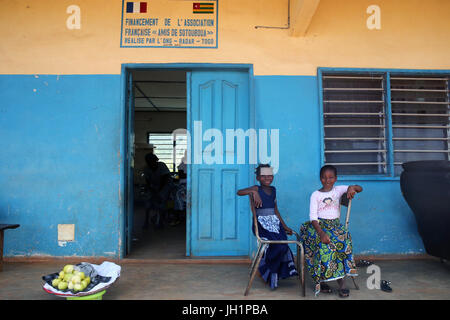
x=70, y=285
x=55, y=282
x=62, y=285
x=68, y=268
x=87, y=279
x=84, y=283
x=77, y=287
x=75, y=279
x=67, y=277
x=61, y=275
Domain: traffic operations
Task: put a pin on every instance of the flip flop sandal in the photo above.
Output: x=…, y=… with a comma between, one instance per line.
x=385, y=285
x=344, y=293
x=324, y=288
x=363, y=263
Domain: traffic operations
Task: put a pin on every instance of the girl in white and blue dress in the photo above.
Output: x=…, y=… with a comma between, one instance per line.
x=327, y=243
x=278, y=260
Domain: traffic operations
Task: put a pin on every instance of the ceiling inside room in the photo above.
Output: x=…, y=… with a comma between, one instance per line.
x=159, y=90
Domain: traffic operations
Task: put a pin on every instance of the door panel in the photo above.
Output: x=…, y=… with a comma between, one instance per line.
x=219, y=221
x=130, y=163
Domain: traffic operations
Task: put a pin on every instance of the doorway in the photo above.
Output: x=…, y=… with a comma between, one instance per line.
x=158, y=116
x=201, y=99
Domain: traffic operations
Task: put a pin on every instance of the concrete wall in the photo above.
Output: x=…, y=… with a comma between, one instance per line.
x=146, y=122
x=413, y=34
x=381, y=221
x=61, y=163
x=62, y=110
x=167, y=122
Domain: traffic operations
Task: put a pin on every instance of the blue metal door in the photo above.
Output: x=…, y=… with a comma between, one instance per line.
x=219, y=220
x=130, y=162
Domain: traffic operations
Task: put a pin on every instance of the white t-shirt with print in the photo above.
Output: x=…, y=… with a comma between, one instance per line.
x=325, y=205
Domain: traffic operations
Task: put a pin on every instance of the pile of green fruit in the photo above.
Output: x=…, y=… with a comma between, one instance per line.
x=71, y=279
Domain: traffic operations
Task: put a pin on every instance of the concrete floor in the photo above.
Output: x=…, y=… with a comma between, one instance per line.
x=152, y=243
x=427, y=279
x=157, y=269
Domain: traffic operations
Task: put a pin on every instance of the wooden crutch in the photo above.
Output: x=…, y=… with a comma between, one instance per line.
x=349, y=207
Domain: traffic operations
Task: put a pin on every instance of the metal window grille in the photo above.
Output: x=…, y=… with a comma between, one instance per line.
x=355, y=123
x=169, y=148
x=420, y=118
x=356, y=120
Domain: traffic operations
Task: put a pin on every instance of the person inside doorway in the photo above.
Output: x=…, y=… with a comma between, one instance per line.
x=180, y=193
x=158, y=180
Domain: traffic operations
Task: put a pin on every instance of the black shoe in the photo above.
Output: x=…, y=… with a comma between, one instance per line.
x=385, y=285
x=363, y=263
x=344, y=293
x=325, y=288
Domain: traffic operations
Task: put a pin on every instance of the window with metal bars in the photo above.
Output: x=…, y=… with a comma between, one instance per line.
x=420, y=118
x=375, y=121
x=169, y=148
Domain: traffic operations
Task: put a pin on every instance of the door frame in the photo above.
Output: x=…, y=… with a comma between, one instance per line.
x=124, y=131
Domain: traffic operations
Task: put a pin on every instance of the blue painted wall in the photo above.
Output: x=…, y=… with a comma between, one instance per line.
x=381, y=221
x=61, y=161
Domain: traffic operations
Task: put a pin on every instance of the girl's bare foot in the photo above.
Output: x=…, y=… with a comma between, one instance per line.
x=325, y=288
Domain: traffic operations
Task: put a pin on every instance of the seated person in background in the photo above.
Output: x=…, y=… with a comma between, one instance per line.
x=180, y=192
x=158, y=179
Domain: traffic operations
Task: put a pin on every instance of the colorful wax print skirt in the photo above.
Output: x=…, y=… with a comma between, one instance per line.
x=277, y=261
x=332, y=261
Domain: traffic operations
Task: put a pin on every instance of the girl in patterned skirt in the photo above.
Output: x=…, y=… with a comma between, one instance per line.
x=327, y=243
x=277, y=261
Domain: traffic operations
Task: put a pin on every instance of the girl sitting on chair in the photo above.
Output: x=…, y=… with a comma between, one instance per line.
x=277, y=262
x=327, y=243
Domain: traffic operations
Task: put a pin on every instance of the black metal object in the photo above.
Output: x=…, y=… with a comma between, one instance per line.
x=4, y=227
x=425, y=185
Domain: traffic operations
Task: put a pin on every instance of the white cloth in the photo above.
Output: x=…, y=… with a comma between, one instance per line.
x=271, y=223
x=266, y=171
x=325, y=205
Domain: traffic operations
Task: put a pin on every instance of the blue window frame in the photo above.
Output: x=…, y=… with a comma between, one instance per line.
x=373, y=120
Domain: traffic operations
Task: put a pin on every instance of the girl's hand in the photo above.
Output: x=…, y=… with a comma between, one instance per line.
x=351, y=192
x=324, y=238
x=257, y=202
x=288, y=230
